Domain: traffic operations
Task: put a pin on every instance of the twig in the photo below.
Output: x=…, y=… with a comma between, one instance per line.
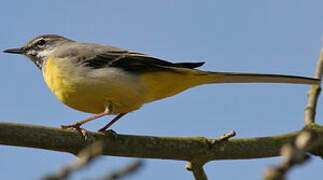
x=225, y=137
x=197, y=169
x=128, y=170
x=314, y=93
x=197, y=166
x=294, y=154
x=86, y=156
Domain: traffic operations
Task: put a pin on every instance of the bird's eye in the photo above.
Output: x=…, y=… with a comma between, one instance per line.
x=41, y=42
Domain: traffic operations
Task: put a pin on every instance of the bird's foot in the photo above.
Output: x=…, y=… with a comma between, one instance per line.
x=77, y=127
x=109, y=132
x=71, y=126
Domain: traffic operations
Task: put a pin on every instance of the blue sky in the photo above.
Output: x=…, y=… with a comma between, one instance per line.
x=241, y=36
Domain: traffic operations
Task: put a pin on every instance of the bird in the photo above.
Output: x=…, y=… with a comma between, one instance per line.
x=106, y=80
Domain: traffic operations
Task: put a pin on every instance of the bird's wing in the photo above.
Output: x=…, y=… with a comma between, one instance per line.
x=134, y=62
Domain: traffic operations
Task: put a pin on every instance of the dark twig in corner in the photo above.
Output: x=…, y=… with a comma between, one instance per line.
x=86, y=156
x=294, y=154
x=128, y=170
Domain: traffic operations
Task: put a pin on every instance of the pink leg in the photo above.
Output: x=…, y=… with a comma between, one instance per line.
x=78, y=124
x=113, y=121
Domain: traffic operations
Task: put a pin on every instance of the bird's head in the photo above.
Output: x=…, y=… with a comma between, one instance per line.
x=39, y=48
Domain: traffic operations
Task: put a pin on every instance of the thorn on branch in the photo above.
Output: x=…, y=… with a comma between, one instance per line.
x=224, y=137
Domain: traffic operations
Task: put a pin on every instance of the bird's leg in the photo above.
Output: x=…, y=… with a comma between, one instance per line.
x=77, y=125
x=112, y=121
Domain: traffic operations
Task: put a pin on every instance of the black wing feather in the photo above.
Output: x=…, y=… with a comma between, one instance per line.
x=134, y=62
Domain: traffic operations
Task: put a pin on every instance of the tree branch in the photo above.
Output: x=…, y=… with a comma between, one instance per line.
x=86, y=157
x=293, y=154
x=185, y=148
x=196, y=166
x=313, y=94
x=197, y=169
x=123, y=172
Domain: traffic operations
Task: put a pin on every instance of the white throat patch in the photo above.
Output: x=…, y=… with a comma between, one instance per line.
x=44, y=53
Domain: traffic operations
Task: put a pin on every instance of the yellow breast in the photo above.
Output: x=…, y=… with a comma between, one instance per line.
x=91, y=90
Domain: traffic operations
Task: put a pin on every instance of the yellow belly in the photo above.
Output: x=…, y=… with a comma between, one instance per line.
x=91, y=90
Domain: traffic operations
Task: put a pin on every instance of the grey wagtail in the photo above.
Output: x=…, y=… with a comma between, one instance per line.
x=106, y=80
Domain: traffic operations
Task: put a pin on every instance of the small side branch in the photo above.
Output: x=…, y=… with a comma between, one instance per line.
x=86, y=157
x=313, y=94
x=225, y=137
x=294, y=154
x=197, y=166
x=128, y=170
x=197, y=169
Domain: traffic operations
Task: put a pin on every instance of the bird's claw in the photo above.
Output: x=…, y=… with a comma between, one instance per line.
x=77, y=128
x=109, y=132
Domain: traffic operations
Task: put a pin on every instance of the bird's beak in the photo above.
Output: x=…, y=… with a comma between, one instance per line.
x=15, y=51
